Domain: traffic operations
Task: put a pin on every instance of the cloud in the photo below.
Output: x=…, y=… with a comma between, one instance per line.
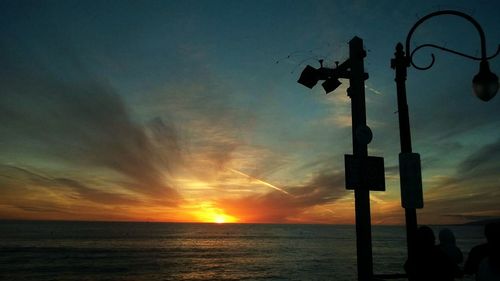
x=475, y=182
x=276, y=206
x=64, y=187
x=83, y=123
x=481, y=163
x=436, y=120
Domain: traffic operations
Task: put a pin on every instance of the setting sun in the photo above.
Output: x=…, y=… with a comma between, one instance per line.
x=219, y=219
x=207, y=213
x=223, y=218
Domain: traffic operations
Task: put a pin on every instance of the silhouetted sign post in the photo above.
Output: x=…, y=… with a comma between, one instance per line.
x=363, y=172
x=485, y=86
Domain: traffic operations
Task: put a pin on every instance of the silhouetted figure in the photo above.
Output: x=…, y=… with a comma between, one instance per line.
x=448, y=244
x=484, y=260
x=429, y=262
x=489, y=267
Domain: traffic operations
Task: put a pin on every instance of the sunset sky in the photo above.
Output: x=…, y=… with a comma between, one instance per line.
x=189, y=111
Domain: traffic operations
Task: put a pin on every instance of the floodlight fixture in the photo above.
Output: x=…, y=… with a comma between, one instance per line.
x=331, y=84
x=309, y=77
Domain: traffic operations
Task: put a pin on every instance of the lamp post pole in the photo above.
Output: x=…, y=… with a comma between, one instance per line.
x=485, y=85
x=400, y=66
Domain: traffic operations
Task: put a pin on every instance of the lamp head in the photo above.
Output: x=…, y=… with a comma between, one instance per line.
x=309, y=77
x=485, y=83
x=331, y=84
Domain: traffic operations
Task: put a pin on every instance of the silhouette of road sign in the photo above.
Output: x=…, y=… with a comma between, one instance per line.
x=411, y=180
x=373, y=173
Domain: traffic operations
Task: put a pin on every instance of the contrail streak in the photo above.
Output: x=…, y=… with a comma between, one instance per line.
x=261, y=181
x=273, y=187
x=373, y=90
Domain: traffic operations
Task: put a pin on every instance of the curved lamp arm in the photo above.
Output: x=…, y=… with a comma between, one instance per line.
x=446, y=50
x=439, y=13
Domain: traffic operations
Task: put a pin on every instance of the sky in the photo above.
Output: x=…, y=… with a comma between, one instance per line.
x=190, y=111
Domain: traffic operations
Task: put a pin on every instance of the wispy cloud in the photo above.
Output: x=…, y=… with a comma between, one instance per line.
x=475, y=182
x=85, y=123
x=68, y=187
x=279, y=206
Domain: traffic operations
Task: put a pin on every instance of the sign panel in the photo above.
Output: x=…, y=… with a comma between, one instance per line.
x=411, y=181
x=367, y=174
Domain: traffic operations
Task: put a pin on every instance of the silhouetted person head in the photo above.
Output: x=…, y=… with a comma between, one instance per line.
x=425, y=237
x=448, y=244
x=429, y=262
x=446, y=237
x=489, y=266
x=492, y=232
x=494, y=241
x=489, y=251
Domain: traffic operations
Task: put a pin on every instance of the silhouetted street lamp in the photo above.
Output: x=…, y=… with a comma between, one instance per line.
x=363, y=172
x=485, y=86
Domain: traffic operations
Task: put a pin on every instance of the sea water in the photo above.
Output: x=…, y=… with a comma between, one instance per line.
x=176, y=251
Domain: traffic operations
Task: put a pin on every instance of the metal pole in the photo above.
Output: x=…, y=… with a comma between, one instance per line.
x=400, y=64
x=356, y=92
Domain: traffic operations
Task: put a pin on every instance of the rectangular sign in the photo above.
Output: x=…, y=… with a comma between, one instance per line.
x=367, y=174
x=411, y=181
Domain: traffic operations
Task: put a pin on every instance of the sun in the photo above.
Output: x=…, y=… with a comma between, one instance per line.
x=219, y=219
x=206, y=213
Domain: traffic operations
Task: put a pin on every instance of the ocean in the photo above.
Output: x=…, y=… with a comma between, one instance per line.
x=133, y=251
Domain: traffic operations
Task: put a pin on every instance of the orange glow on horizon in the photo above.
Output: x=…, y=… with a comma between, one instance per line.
x=207, y=213
x=222, y=218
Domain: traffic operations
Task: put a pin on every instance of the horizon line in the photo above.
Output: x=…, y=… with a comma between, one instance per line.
x=228, y=223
